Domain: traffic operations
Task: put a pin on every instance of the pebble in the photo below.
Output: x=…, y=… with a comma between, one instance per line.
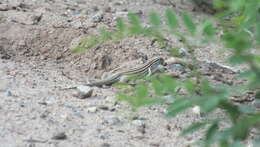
x=44, y=114
x=6, y=56
x=174, y=60
x=196, y=110
x=134, y=117
x=138, y=123
x=83, y=92
x=118, y=3
x=169, y=98
x=138, y=12
x=155, y=144
x=176, y=67
x=112, y=121
x=97, y=17
x=105, y=145
x=183, y=52
x=4, y=7
x=103, y=107
x=92, y=109
x=8, y=92
x=124, y=13
x=121, y=13
x=59, y=136
x=168, y=127
x=49, y=102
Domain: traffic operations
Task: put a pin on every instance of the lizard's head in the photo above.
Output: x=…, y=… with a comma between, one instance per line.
x=161, y=61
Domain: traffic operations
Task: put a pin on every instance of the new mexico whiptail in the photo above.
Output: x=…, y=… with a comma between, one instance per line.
x=150, y=67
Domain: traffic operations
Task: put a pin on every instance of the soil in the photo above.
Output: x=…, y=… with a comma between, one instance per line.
x=36, y=37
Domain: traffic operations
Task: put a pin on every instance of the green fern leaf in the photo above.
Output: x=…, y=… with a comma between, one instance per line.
x=155, y=19
x=171, y=19
x=189, y=23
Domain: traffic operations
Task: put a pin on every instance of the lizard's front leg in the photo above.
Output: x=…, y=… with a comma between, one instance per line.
x=149, y=72
x=124, y=79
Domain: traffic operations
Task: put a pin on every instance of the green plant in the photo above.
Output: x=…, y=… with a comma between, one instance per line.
x=241, y=34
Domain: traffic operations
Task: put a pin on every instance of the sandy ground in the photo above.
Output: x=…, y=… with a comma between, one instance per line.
x=36, y=60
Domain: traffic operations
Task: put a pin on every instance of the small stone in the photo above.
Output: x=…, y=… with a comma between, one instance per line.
x=92, y=109
x=12, y=73
x=113, y=109
x=6, y=56
x=138, y=123
x=196, y=110
x=83, y=92
x=169, y=98
x=183, y=52
x=112, y=121
x=174, y=60
x=49, y=102
x=59, y=136
x=44, y=115
x=103, y=107
x=177, y=67
x=84, y=12
x=121, y=131
x=22, y=105
x=168, y=127
x=105, y=145
x=4, y=7
x=134, y=117
x=118, y=3
x=98, y=17
x=124, y=13
x=155, y=144
x=138, y=12
x=119, y=14
x=8, y=93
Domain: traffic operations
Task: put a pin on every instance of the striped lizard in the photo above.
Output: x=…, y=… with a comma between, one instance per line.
x=150, y=67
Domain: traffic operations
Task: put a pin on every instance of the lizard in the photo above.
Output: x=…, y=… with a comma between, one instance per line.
x=152, y=66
